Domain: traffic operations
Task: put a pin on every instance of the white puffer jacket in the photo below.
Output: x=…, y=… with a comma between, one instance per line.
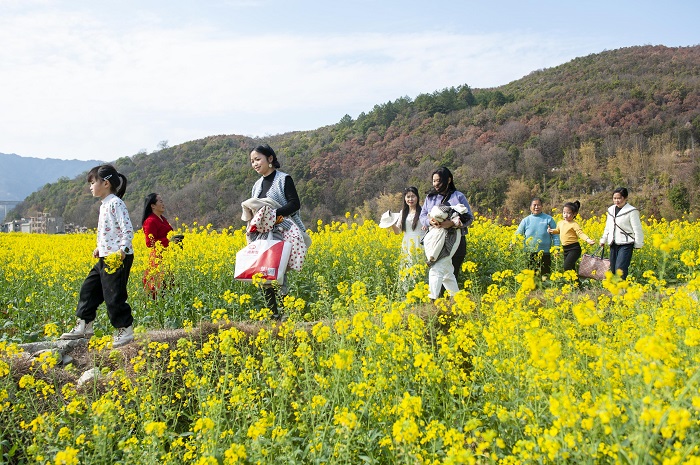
x=625, y=228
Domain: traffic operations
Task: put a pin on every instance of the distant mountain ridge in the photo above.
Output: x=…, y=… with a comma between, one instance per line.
x=628, y=117
x=20, y=176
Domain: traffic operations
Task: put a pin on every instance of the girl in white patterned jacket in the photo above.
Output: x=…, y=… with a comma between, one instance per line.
x=107, y=280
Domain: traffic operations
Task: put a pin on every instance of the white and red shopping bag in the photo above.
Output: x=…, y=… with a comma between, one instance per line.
x=267, y=257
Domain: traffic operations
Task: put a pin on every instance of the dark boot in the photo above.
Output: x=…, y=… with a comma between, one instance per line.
x=271, y=302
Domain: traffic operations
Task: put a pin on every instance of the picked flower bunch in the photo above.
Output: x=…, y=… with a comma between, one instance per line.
x=113, y=262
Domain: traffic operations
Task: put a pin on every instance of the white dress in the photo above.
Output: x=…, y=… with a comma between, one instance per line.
x=412, y=237
x=411, y=253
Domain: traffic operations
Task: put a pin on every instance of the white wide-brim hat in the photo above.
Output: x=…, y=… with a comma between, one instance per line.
x=388, y=219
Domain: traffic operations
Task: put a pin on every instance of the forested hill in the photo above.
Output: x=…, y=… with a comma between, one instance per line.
x=626, y=117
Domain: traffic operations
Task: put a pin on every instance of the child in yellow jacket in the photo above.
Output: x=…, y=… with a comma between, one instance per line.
x=569, y=231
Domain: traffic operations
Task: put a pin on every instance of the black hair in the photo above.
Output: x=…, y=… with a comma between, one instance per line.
x=110, y=174
x=573, y=206
x=147, y=208
x=268, y=152
x=446, y=179
x=406, y=209
x=622, y=191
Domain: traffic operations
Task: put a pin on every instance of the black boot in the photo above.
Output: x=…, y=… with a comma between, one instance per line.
x=271, y=302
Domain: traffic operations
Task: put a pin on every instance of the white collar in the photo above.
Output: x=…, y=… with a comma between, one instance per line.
x=108, y=198
x=626, y=208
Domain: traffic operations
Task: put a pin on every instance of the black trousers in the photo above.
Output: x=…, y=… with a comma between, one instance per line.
x=572, y=253
x=100, y=286
x=458, y=258
x=540, y=264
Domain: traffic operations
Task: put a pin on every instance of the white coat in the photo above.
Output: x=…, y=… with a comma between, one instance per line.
x=625, y=228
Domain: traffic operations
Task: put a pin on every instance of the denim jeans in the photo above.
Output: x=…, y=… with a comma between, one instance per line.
x=620, y=258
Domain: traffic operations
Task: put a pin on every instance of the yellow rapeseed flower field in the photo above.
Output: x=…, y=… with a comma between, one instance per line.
x=513, y=369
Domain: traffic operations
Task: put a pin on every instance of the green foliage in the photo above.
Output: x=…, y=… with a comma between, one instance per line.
x=678, y=195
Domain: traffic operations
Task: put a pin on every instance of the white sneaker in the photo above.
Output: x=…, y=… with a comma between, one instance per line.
x=83, y=329
x=123, y=336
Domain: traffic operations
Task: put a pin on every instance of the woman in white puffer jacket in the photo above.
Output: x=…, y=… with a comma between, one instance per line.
x=623, y=232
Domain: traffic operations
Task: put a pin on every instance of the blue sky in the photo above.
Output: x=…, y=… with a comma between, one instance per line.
x=102, y=79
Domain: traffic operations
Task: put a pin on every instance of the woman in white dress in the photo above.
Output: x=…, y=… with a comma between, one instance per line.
x=413, y=231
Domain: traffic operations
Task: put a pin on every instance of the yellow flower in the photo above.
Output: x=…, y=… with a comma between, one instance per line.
x=469, y=266
x=259, y=428
x=51, y=330
x=64, y=433
x=343, y=359
x=156, y=428
x=317, y=402
x=47, y=360
x=203, y=424
x=405, y=430
x=219, y=315
x=422, y=360
x=586, y=313
x=26, y=381
x=692, y=337
x=665, y=243
x=321, y=332
x=343, y=417
x=68, y=456
x=410, y=405
x=100, y=343
x=207, y=460
x=234, y=454
x=526, y=278
x=113, y=262
x=303, y=351
x=545, y=350
x=688, y=257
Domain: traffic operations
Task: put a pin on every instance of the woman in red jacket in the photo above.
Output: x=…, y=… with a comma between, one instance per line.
x=155, y=229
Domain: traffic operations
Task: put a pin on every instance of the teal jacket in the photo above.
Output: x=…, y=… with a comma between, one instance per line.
x=534, y=228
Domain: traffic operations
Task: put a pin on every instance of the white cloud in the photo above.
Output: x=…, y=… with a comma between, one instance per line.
x=74, y=86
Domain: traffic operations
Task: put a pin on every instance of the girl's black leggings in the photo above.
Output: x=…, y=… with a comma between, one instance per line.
x=572, y=253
